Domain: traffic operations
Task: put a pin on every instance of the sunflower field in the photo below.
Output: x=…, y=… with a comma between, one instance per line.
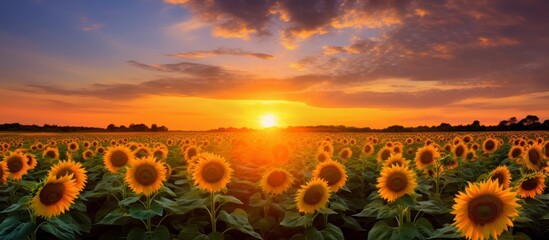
x=274, y=185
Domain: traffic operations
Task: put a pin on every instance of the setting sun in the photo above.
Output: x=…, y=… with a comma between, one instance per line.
x=268, y=121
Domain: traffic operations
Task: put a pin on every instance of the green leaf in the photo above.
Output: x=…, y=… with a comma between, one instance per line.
x=406, y=231
x=136, y=234
x=161, y=233
x=294, y=220
x=351, y=222
x=227, y=199
x=256, y=200
x=190, y=231
x=425, y=227
x=129, y=200
x=14, y=207
x=59, y=228
x=139, y=212
x=380, y=231
x=12, y=228
x=112, y=217
x=238, y=219
x=215, y=236
x=311, y=233
x=448, y=231
x=521, y=236
x=327, y=211
x=332, y=232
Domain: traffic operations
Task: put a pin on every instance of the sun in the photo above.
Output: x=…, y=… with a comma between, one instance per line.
x=268, y=120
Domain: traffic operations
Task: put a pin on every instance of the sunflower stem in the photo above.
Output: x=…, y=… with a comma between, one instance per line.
x=149, y=219
x=213, y=212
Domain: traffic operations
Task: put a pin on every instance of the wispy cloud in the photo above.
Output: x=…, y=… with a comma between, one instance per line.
x=222, y=51
x=89, y=25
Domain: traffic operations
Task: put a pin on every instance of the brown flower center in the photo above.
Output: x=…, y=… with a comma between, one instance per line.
x=15, y=164
x=51, y=193
x=145, y=174
x=331, y=174
x=397, y=182
x=385, y=154
x=321, y=157
x=534, y=156
x=499, y=177
x=490, y=145
x=213, y=172
x=516, y=152
x=119, y=158
x=484, y=209
x=276, y=179
x=345, y=154
x=367, y=148
x=529, y=184
x=313, y=195
x=460, y=151
x=426, y=157
x=51, y=154
x=191, y=152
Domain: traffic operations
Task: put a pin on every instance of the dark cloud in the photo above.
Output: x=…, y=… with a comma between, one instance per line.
x=222, y=51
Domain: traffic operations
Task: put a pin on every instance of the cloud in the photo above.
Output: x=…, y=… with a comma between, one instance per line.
x=89, y=25
x=222, y=51
x=187, y=68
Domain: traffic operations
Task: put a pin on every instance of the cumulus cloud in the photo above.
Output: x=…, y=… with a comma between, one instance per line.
x=223, y=51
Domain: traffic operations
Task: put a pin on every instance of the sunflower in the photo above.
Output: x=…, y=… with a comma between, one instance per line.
x=425, y=156
x=72, y=168
x=532, y=186
x=31, y=161
x=322, y=156
x=72, y=147
x=368, y=149
x=484, y=210
x=100, y=150
x=395, y=182
x=87, y=154
x=312, y=196
x=4, y=172
x=515, y=152
x=142, y=152
x=54, y=197
x=117, y=157
x=160, y=153
x=327, y=147
x=345, y=154
x=276, y=181
x=17, y=165
x=459, y=150
x=533, y=158
x=333, y=173
x=502, y=175
x=384, y=154
x=212, y=173
x=190, y=152
x=396, y=159
x=489, y=145
x=467, y=138
x=51, y=152
x=145, y=175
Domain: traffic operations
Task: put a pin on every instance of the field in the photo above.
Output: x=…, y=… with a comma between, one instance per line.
x=270, y=185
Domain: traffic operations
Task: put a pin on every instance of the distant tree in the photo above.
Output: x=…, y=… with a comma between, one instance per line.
x=512, y=121
x=111, y=127
x=476, y=123
x=154, y=127
x=503, y=123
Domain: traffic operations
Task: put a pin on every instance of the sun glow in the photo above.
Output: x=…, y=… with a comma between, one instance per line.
x=268, y=121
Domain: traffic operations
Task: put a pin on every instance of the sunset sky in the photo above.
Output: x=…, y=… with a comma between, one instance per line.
x=198, y=65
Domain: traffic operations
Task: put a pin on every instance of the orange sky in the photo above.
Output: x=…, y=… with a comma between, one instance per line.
x=195, y=66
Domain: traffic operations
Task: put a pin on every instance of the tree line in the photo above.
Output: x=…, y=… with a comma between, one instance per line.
x=55, y=128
